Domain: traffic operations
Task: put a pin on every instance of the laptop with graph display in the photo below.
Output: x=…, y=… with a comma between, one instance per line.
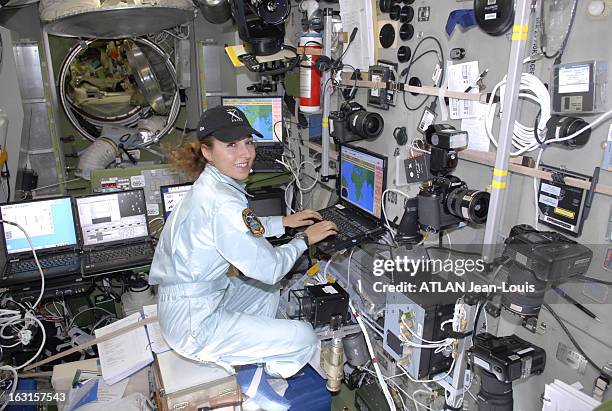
x=115, y=231
x=172, y=196
x=265, y=114
x=50, y=224
x=358, y=213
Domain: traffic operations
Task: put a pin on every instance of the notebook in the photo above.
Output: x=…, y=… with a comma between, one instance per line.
x=50, y=224
x=115, y=231
x=172, y=195
x=265, y=114
x=124, y=354
x=128, y=352
x=358, y=213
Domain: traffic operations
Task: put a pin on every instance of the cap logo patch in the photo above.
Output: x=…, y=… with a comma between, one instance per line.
x=234, y=115
x=253, y=223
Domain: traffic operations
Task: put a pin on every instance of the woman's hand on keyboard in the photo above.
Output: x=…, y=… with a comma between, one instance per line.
x=320, y=231
x=302, y=218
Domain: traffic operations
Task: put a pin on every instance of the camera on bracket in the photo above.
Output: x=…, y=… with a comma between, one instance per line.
x=540, y=259
x=352, y=123
x=444, y=140
x=447, y=202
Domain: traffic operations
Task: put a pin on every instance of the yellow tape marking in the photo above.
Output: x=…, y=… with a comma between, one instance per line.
x=498, y=184
x=500, y=173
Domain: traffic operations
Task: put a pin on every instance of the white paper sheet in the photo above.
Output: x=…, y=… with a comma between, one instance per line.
x=158, y=342
x=475, y=127
x=460, y=77
x=358, y=13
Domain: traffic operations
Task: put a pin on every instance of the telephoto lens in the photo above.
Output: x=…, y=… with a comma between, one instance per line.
x=471, y=205
x=366, y=124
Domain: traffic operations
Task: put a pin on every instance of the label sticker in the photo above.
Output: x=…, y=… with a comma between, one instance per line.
x=550, y=189
x=329, y=289
x=490, y=16
x=427, y=120
x=137, y=181
x=375, y=92
x=152, y=209
x=485, y=365
x=574, y=78
x=553, y=202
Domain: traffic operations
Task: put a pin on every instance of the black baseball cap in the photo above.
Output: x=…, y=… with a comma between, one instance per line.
x=226, y=123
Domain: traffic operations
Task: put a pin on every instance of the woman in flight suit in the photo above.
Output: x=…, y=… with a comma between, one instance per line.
x=205, y=314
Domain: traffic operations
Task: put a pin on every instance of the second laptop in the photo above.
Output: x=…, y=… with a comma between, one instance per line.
x=115, y=232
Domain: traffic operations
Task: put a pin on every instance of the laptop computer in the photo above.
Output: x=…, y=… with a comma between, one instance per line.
x=266, y=116
x=50, y=224
x=172, y=195
x=358, y=213
x=115, y=231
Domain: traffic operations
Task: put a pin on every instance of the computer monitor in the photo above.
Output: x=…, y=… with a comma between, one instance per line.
x=113, y=217
x=363, y=176
x=172, y=196
x=268, y=202
x=49, y=224
x=264, y=113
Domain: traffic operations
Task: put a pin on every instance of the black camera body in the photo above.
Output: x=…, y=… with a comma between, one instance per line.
x=446, y=202
x=539, y=259
x=352, y=123
x=549, y=255
x=503, y=360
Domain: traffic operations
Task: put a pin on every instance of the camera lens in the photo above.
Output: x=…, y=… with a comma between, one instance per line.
x=523, y=303
x=470, y=205
x=366, y=124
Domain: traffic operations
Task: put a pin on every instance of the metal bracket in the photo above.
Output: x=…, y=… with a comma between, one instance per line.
x=558, y=177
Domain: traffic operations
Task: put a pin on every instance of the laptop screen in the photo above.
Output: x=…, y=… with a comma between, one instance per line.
x=172, y=196
x=49, y=223
x=362, y=179
x=112, y=217
x=264, y=113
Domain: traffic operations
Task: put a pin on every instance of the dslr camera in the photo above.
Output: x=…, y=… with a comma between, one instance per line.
x=352, y=123
x=540, y=259
x=446, y=202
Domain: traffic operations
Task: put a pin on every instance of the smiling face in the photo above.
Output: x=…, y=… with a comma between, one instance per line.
x=233, y=159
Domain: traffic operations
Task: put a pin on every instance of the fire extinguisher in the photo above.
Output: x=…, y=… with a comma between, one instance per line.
x=310, y=77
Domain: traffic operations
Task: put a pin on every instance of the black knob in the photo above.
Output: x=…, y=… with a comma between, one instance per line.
x=403, y=54
x=406, y=14
x=394, y=13
x=406, y=31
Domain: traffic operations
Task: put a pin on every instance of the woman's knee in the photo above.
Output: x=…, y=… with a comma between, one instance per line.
x=306, y=334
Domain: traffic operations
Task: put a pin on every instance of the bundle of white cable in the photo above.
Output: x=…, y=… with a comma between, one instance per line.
x=12, y=318
x=532, y=89
x=523, y=139
x=379, y=375
x=296, y=179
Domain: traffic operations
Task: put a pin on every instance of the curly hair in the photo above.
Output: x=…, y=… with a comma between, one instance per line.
x=188, y=157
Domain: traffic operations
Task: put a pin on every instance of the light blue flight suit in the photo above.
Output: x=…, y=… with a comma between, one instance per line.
x=208, y=316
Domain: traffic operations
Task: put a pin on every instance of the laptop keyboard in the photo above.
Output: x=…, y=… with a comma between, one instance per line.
x=112, y=256
x=265, y=158
x=49, y=262
x=345, y=225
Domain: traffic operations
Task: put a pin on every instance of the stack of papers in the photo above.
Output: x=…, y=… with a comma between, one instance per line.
x=559, y=396
x=358, y=13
